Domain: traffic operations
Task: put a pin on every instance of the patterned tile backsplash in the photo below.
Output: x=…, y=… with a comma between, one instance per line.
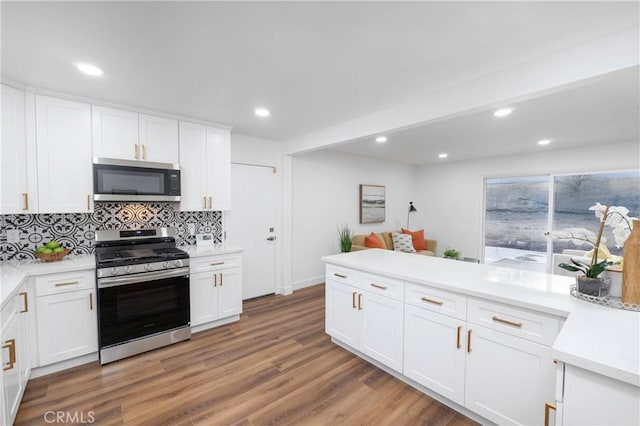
x=76, y=230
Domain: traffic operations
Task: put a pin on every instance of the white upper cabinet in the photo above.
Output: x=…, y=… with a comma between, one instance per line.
x=15, y=193
x=205, y=167
x=158, y=139
x=128, y=135
x=63, y=139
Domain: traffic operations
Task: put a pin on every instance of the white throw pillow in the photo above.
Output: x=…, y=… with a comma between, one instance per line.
x=403, y=242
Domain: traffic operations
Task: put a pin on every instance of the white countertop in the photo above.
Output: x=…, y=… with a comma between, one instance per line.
x=596, y=338
x=12, y=273
x=210, y=251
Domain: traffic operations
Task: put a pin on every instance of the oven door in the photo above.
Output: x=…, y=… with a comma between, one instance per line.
x=142, y=305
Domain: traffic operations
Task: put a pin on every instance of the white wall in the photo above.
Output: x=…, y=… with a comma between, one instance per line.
x=449, y=195
x=325, y=195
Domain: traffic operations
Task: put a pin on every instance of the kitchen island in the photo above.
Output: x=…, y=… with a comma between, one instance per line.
x=498, y=344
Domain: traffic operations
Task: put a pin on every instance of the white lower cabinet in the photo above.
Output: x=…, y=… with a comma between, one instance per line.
x=15, y=354
x=434, y=352
x=366, y=321
x=67, y=319
x=215, y=289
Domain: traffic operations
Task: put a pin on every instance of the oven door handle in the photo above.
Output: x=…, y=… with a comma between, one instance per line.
x=144, y=277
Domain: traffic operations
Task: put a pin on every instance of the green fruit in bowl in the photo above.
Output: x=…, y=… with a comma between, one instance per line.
x=52, y=245
x=41, y=249
x=58, y=250
x=47, y=251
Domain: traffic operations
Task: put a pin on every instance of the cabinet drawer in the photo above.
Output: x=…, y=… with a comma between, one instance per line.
x=383, y=286
x=522, y=323
x=65, y=282
x=437, y=301
x=212, y=263
x=342, y=275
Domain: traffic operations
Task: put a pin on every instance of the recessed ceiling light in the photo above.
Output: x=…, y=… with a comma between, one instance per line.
x=544, y=142
x=262, y=112
x=381, y=139
x=88, y=69
x=443, y=155
x=503, y=112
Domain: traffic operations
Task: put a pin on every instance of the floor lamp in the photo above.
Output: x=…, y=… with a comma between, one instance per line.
x=411, y=210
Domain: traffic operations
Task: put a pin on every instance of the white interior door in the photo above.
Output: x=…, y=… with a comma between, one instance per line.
x=250, y=224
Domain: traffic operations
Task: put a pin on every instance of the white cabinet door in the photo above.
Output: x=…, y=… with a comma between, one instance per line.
x=12, y=383
x=382, y=329
x=229, y=292
x=14, y=191
x=115, y=133
x=158, y=139
x=193, y=167
x=508, y=379
x=203, y=295
x=63, y=138
x=219, y=167
x=434, y=352
x=343, y=319
x=67, y=325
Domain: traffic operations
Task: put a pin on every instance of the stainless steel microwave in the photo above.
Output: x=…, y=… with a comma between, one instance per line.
x=124, y=180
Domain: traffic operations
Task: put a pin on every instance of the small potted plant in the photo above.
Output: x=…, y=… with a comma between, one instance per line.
x=590, y=283
x=346, y=238
x=451, y=253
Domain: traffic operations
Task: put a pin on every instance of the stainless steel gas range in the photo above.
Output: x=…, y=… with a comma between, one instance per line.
x=143, y=291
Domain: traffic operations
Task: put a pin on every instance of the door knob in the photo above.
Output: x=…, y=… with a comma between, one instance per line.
x=271, y=239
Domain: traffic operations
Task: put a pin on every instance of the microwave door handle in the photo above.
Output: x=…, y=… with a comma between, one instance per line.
x=124, y=191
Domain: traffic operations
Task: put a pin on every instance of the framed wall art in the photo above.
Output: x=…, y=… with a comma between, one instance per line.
x=372, y=203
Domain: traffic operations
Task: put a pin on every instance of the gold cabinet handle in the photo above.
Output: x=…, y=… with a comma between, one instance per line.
x=353, y=299
x=204, y=202
x=69, y=283
x=360, y=301
x=221, y=279
x=135, y=151
x=381, y=287
x=547, y=407
x=91, y=301
x=210, y=201
x=504, y=321
x=216, y=263
x=25, y=298
x=340, y=275
x=144, y=154
x=25, y=197
x=469, y=340
x=435, y=302
x=88, y=201
x=215, y=280
x=458, y=344
x=11, y=345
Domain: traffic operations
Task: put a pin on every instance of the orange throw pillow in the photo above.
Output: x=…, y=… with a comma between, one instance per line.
x=417, y=237
x=373, y=241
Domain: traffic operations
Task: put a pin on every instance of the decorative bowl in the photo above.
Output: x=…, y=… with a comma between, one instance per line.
x=52, y=257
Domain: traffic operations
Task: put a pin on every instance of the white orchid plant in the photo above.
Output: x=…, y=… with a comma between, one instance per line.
x=616, y=217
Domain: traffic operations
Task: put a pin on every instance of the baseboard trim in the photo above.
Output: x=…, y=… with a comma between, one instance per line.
x=308, y=283
x=63, y=365
x=213, y=324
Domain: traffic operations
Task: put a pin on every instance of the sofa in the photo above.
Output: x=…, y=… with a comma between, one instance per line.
x=358, y=243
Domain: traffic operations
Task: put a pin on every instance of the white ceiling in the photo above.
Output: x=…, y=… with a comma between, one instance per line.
x=313, y=64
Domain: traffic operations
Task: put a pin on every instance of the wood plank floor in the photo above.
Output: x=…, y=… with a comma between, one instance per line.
x=275, y=366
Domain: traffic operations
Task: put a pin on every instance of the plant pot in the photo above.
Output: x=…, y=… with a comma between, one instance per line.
x=596, y=287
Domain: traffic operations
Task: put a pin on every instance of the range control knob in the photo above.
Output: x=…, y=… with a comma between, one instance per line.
x=113, y=271
x=166, y=265
x=127, y=269
x=147, y=266
x=178, y=263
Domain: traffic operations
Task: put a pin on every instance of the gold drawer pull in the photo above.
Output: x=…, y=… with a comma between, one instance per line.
x=360, y=301
x=458, y=344
x=435, y=302
x=221, y=279
x=25, y=195
x=144, y=155
x=69, y=283
x=88, y=201
x=353, y=299
x=469, y=340
x=504, y=321
x=204, y=202
x=210, y=202
x=547, y=407
x=215, y=280
x=216, y=263
x=11, y=345
x=25, y=297
x=381, y=287
x=91, y=301
x=340, y=275
x=135, y=151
